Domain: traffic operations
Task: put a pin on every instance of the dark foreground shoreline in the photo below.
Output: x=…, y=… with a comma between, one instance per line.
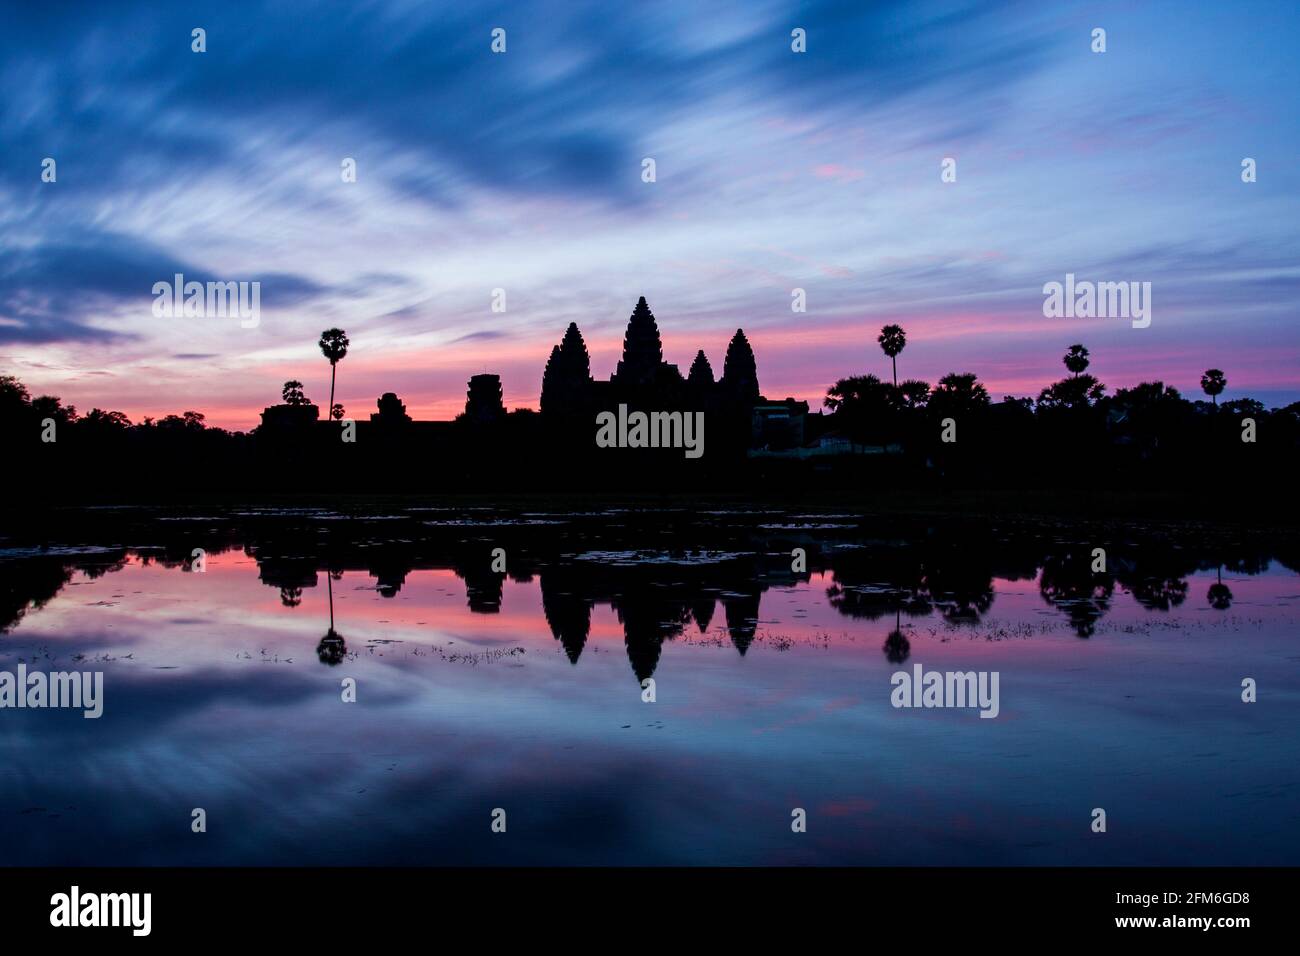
x=1181, y=510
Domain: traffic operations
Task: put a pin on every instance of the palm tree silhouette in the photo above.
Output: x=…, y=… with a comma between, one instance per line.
x=333, y=345
x=914, y=393
x=292, y=393
x=958, y=393
x=1076, y=359
x=1213, y=383
x=892, y=339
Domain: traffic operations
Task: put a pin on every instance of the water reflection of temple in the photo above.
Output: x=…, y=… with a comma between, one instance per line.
x=946, y=574
x=652, y=610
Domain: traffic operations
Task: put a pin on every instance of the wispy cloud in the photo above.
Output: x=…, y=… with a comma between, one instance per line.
x=522, y=171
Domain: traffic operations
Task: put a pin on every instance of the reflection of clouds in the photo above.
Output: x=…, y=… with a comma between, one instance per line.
x=141, y=703
x=587, y=772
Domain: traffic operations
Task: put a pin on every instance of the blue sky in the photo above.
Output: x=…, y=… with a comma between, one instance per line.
x=522, y=171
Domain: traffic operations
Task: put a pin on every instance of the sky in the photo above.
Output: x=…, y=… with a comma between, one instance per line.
x=523, y=171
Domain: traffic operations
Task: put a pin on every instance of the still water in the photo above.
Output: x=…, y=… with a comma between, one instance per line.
x=770, y=635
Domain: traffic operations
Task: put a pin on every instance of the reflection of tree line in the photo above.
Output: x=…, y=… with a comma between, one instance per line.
x=951, y=579
x=957, y=584
x=28, y=584
x=654, y=603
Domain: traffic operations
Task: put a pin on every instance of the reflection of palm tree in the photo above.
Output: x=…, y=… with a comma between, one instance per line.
x=897, y=648
x=1160, y=594
x=1069, y=583
x=1156, y=578
x=962, y=592
x=872, y=601
x=867, y=585
x=290, y=597
x=1219, y=595
x=332, y=649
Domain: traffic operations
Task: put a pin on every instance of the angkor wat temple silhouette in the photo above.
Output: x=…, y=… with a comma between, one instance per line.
x=876, y=438
x=571, y=396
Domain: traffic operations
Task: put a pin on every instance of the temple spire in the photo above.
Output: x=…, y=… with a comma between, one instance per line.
x=574, y=360
x=739, y=371
x=551, y=386
x=567, y=378
x=701, y=373
x=642, y=350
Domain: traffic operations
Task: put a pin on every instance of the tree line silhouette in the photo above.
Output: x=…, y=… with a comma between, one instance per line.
x=874, y=434
x=1072, y=433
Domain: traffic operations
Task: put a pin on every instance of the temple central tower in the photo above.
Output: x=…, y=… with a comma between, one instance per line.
x=642, y=350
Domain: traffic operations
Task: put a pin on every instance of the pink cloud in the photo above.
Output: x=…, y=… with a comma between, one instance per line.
x=838, y=173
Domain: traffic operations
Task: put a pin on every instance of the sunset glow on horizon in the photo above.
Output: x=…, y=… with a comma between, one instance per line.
x=522, y=172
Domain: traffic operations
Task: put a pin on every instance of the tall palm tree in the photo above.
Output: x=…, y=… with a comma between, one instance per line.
x=1213, y=383
x=1076, y=359
x=333, y=345
x=892, y=339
